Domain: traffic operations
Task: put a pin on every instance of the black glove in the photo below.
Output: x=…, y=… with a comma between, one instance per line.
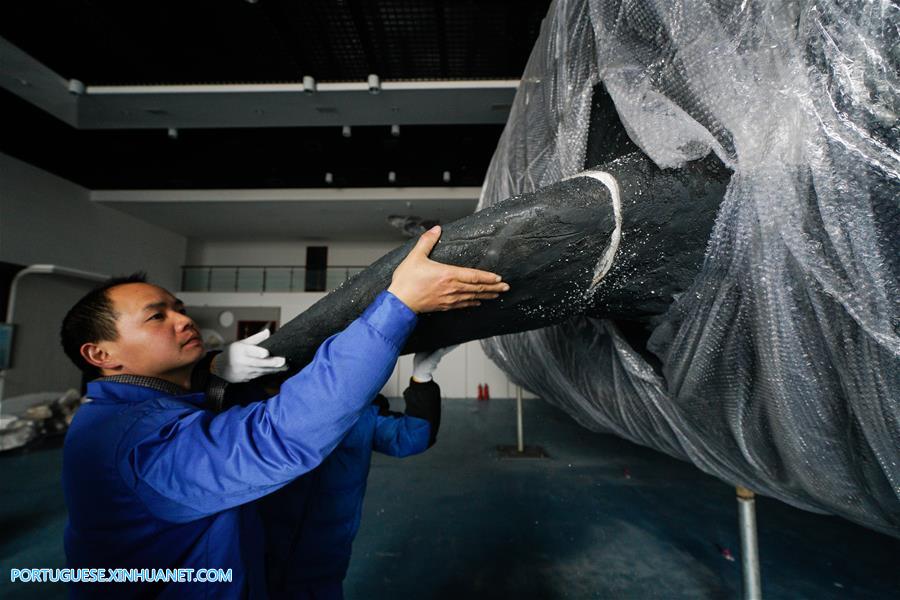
x=423, y=400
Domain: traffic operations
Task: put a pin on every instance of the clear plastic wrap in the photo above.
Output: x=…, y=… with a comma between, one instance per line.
x=780, y=366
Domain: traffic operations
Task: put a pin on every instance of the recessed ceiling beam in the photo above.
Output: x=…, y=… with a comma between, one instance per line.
x=349, y=214
x=289, y=105
x=337, y=86
x=36, y=83
x=428, y=194
x=446, y=102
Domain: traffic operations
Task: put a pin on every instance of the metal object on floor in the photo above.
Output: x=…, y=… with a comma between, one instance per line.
x=526, y=452
x=520, y=450
x=749, y=546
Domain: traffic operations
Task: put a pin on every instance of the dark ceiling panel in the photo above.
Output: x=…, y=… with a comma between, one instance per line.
x=110, y=42
x=246, y=157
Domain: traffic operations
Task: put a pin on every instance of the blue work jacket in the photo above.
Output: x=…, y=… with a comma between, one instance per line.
x=155, y=481
x=310, y=523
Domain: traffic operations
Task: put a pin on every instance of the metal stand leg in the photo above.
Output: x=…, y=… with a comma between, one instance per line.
x=521, y=435
x=520, y=450
x=749, y=546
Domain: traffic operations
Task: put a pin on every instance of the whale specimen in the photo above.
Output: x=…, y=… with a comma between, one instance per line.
x=555, y=247
x=697, y=207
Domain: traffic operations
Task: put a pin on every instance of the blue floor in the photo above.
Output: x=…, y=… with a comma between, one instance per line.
x=460, y=522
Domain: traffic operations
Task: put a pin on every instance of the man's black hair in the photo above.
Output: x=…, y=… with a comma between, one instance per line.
x=93, y=320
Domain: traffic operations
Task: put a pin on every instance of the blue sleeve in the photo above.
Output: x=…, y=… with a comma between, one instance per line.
x=401, y=436
x=202, y=463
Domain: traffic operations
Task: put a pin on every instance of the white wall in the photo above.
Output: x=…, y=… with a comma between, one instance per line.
x=216, y=335
x=47, y=219
x=291, y=253
x=291, y=304
x=459, y=374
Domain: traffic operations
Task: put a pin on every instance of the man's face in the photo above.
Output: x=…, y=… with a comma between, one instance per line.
x=156, y=337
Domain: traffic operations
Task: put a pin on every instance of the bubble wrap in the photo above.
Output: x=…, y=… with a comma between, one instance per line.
x=779, y=366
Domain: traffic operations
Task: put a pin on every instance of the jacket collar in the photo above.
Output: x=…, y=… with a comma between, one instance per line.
x=135, y=388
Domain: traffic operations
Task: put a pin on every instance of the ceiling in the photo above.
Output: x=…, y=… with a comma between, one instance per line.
x=348, y=214
x=211, y=95
x=246, y=157
x=110, y=42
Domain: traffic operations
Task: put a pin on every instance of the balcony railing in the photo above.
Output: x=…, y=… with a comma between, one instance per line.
x=197, y=278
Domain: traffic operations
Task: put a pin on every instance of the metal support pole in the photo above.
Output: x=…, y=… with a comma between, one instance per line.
x=521, y=436
x=749, y=546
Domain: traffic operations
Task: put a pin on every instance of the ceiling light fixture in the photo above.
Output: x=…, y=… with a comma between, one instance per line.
x=172, y=133
x=309, y=84
x=329, y=178
x=75, y=87
x=395, y=130
x=374, y=83
x=446, y=177
x=392, y=176
x=346, y=131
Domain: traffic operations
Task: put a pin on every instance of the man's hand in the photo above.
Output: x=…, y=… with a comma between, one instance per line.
x=424, y=363
x=428, y=286
x=244, y=360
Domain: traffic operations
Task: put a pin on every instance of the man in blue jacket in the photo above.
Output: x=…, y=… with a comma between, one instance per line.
x=310, y=523
x=153, y=480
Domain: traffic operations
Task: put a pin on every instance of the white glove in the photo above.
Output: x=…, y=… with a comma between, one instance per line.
x=244, y=360
x=424, y=363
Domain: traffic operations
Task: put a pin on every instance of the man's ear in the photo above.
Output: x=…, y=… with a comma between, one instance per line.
x=97, y=356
